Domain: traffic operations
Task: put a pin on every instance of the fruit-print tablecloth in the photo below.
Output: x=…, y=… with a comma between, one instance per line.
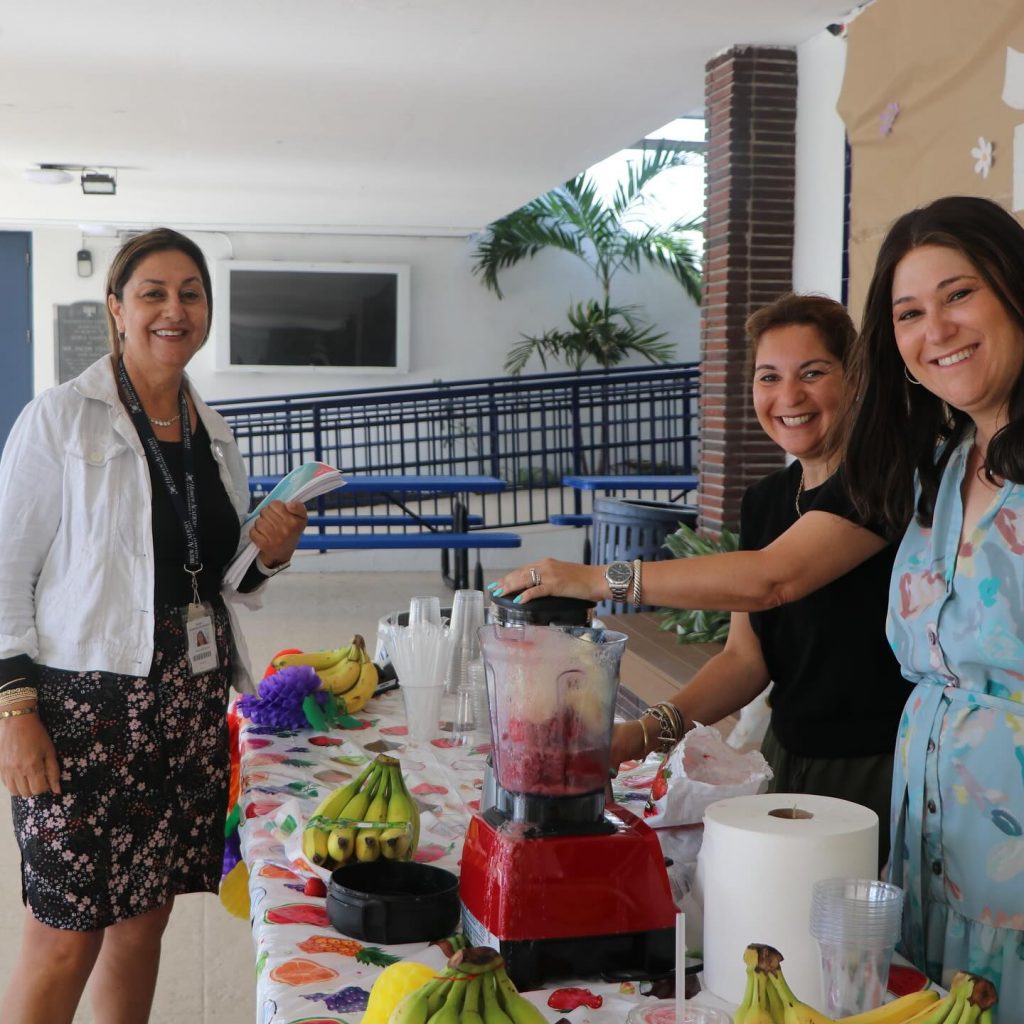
x=308, y=973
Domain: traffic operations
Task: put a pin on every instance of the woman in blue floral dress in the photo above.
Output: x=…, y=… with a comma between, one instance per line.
x=939, y=374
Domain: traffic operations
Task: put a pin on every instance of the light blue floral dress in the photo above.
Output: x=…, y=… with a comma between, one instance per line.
x=956, y=623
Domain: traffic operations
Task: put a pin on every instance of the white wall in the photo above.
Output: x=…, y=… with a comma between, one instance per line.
x=459, y=329
x=820, y=141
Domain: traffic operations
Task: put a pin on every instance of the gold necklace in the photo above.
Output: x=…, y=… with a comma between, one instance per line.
x=165, y=423
x=799, y=492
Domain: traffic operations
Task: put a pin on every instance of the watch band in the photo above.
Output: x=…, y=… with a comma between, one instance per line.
x=619, y=589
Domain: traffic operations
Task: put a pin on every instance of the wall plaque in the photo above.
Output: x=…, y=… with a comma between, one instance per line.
x=80, y=330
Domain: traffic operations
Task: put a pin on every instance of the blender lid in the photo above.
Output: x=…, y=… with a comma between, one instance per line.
x=544, y=611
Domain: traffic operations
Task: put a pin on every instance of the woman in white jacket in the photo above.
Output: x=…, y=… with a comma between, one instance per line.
x=121, y=495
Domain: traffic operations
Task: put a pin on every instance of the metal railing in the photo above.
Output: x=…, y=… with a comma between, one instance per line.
x=530, y=431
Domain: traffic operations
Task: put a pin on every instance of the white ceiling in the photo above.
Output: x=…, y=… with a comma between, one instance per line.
x=408, y=116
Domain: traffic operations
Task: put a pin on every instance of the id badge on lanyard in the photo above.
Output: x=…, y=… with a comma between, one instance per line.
x=199, y=631
x=197, y=615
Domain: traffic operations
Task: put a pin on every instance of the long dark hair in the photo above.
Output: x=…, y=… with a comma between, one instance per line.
x=894, y=425
x=134, y=251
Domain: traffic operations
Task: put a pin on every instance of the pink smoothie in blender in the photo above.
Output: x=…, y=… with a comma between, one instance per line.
x=552, y=698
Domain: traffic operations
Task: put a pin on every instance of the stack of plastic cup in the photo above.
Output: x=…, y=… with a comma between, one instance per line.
x=463, y=635
x=857, y=924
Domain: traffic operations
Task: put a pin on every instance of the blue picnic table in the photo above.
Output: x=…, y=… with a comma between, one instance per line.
x=452, y=534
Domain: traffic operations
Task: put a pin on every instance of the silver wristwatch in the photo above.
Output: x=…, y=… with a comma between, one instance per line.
x=619, y=577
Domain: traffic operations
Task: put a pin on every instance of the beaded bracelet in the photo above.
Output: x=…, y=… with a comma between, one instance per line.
x=18, y=712
x=12, y=682
x=9, y=697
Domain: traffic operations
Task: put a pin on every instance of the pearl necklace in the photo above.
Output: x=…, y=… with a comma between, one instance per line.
x=164, y=423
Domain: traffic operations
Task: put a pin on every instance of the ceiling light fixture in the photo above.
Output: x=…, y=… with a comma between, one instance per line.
x=96, y=183
x=47, y=174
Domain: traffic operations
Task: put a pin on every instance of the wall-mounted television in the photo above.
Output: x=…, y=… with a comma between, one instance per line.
x=278, y=315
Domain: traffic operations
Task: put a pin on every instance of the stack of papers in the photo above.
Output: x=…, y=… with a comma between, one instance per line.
x=304, y=483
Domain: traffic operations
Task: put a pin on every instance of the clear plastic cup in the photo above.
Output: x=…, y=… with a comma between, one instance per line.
x=425, y=609
x=666, y=1011
x=857, y=924
x=464, y=636
x=422, y=709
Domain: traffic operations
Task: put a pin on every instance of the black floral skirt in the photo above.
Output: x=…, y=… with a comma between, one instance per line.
x=144, y=771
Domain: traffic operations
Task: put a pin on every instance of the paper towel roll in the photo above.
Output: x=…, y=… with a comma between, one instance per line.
x=760, y=857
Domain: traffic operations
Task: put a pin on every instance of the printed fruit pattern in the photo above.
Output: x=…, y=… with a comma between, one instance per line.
x=328, y=944
x=370, y=817
x=472, y=989
x=301, y=972
x=298, y=913
x=768, y=999
x=659, y=787
x=347, y=672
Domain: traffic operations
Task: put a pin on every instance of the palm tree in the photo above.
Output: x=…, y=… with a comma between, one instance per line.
x=607, y=237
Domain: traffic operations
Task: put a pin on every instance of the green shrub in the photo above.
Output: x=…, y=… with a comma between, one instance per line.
x=693, y=626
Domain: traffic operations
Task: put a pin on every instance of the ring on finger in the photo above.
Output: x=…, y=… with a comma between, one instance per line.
x=534, y=577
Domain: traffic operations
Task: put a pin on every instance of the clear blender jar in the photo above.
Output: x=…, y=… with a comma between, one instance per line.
x=552, y=704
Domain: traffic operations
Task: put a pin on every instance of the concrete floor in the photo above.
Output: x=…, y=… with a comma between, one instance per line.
x=207, y=969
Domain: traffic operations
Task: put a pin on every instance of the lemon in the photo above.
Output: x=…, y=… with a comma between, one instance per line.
x=393, y=984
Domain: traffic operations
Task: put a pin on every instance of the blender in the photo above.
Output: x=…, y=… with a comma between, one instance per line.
x=558, y=879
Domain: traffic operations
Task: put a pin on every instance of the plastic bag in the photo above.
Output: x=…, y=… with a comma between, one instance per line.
x=701, y=769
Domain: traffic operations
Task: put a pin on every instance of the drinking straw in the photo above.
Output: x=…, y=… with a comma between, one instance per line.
x=419, y=652
x=680, y=967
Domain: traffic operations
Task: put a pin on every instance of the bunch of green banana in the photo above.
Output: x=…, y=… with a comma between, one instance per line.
x=369, y=817
x=472, y=989
x=768, y=999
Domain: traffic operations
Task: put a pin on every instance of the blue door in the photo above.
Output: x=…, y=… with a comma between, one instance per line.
x=15, y=327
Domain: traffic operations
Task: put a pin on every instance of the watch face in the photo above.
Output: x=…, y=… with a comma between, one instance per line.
x=619, y=573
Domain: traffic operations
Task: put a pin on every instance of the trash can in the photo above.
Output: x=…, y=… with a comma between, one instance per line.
x=628, y=528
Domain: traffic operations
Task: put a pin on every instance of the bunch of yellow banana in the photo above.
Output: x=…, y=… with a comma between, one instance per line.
x=347, y=672
x=372, y=816
x=472, y=989
x=768, y=999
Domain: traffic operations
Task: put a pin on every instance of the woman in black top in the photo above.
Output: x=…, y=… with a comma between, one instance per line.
x=810, y=587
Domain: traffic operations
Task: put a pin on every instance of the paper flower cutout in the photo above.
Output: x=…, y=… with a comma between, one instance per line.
x=982, y=154
x=888, y=118
x=281, y=694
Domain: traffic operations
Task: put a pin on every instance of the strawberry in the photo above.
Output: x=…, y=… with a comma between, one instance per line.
x=314, y=887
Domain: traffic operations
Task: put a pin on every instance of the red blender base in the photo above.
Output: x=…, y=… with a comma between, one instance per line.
x=568, y=905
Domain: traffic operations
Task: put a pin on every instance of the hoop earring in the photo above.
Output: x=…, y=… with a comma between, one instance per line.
x=910, y=377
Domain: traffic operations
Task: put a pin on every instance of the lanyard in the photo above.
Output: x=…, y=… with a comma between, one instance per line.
x=187, y=508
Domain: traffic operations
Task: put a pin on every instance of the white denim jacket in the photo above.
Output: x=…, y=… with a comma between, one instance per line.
x=76, y=538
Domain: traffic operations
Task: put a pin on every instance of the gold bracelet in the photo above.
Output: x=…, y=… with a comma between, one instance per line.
x=9, y=697
x=647, y=739
x=18, y=712
x=12, y=682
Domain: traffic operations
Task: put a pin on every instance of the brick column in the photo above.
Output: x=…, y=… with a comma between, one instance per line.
x=750, y=111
